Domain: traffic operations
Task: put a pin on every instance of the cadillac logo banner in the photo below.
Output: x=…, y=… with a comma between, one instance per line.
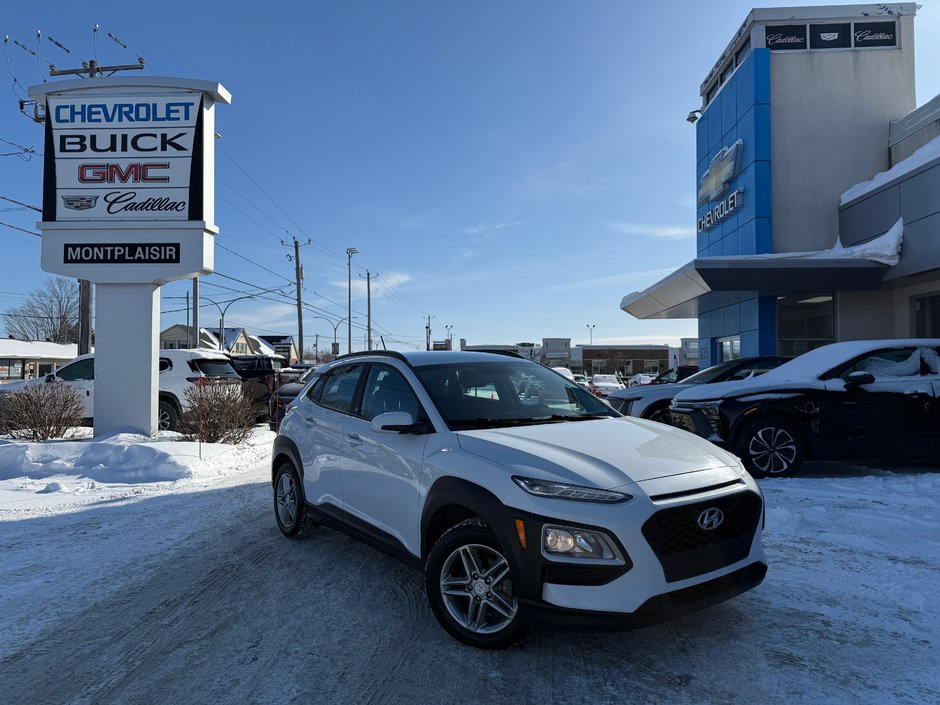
x=786, y=37
x=875, y=34
x=123, y=158
x=830, y=36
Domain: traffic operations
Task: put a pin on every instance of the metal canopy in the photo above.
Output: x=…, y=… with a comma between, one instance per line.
x=676, y=296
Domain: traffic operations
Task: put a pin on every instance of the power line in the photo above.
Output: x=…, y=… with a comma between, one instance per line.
x=22, y=230
x=97, y=26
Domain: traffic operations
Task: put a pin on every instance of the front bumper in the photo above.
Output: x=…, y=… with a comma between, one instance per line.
x=656, y=609
x=670, y=565
x=702, y=422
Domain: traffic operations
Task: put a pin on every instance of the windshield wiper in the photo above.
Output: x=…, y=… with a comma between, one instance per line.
x=484, y=422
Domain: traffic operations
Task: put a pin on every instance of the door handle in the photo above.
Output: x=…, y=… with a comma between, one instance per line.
x=354, y=439
x=310, y=420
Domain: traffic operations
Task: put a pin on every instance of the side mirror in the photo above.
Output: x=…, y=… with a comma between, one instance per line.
x=398, y=422
x=857, y=379
x=50, y=378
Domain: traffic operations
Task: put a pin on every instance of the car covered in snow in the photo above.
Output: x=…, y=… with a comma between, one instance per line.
x=861, y=400
x=519, y=510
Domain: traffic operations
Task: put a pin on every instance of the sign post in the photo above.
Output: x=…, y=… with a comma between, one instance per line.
x=128, y=203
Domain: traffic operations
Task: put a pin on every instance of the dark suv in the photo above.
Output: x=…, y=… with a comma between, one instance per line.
x=853, y=401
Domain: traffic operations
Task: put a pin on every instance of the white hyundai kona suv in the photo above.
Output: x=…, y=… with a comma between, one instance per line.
x=521, y=509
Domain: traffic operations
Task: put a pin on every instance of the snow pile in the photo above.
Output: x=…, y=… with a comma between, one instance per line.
x=926, y=154
x=87, y=470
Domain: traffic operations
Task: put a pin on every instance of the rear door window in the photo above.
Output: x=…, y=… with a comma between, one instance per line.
x=338, y=389
x=214, y=368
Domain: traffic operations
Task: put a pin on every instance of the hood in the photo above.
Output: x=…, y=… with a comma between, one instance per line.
x=604, y=453
x=740, y=388
x=19, y=384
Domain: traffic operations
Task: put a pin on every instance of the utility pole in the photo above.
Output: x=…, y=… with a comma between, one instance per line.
x=84, y=316
x=368, y=278
x=427, y=333
x=84, y=286
x=299, y=273
x=350, y=251
x=195, y=332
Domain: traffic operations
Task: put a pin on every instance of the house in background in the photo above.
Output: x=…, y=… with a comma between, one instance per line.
x=236, y=341
x=282, y=345
x=28, y=359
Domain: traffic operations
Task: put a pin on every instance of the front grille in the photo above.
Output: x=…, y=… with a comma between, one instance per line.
x=682, y=420
x=685, y=549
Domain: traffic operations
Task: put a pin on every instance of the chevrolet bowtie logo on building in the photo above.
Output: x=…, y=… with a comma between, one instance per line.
x=722, y=170
x=79, y=203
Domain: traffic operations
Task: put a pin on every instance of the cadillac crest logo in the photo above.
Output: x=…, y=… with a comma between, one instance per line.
x=79, y=203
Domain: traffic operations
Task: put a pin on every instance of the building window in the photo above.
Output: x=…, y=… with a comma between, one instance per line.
x=926, y=310
x=11, y=369
x=651, y=366
x=804, y=322
x=743, y=52
x=726, y=73
x=729, y=348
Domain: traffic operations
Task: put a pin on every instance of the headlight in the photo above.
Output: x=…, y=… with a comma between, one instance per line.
x=577, y=543
x=560, y=490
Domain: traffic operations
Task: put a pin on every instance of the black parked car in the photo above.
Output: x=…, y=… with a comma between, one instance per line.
x=284, y=395
x=853, y=401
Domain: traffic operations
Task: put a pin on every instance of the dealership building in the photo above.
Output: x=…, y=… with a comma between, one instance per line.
x=818, y=189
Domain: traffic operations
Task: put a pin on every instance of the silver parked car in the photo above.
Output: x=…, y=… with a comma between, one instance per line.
x=652, y=401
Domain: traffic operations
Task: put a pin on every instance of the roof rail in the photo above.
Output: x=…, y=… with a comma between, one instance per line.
x=381, y=353
x=499, y=351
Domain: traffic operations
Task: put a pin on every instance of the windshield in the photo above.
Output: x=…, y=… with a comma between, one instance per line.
x=500, y=394
x=712, y=373
x=213, y=368
x=307, y=376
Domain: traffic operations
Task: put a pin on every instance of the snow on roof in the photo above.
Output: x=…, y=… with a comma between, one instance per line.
x=886, y=248
x=926, y=154
x=231, y=335
x=36, y=350
x=263, y=348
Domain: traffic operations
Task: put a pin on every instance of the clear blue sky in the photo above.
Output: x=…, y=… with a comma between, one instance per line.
x=511, y=168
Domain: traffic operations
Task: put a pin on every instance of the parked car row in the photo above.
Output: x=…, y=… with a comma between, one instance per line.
x=651, y=401
x=178, y=369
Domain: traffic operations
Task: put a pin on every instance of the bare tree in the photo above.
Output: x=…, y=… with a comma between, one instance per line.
x=50, y=313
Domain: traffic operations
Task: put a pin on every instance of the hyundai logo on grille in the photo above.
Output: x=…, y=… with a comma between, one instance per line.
x=710, y=519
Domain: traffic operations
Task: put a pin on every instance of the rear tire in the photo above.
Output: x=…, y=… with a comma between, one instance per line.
x=468, y=582
x=168, y=418
x=290, y=506
x=771, y=447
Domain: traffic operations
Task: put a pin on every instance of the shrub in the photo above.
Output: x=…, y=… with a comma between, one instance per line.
x=41, y=411
x=217, y=412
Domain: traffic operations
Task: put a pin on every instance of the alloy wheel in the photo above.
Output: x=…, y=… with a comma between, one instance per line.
x=476, y=589
x=286, y=500
x=772, y=450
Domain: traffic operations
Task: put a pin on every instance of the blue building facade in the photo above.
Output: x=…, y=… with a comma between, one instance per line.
x=739, y=323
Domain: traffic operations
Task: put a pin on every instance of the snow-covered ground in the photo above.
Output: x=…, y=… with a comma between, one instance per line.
x=134, y=571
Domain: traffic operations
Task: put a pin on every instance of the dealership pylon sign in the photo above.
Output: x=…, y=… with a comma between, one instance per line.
x=129, y=204
x=128, y=190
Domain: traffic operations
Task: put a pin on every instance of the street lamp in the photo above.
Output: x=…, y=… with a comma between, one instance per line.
x=335, y=326
x=350, y=251
x=449, y=338
x=590, y=327
x=222, y=311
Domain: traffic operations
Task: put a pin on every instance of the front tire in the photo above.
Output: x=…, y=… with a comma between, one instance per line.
x=468, y=581
x=290, y=506
x=771, y=447
x=661, y=415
